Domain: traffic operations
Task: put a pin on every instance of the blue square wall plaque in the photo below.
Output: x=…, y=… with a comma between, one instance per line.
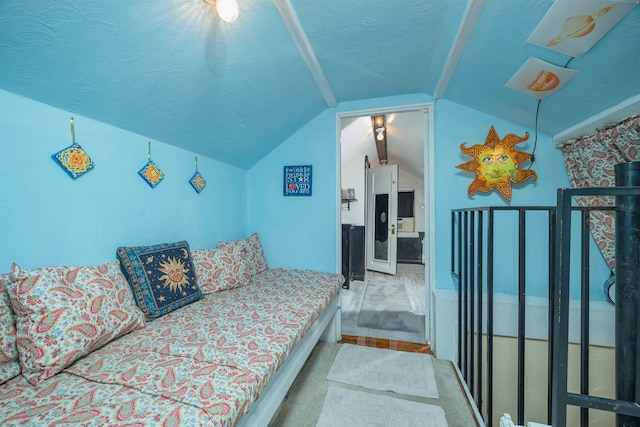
x=297, y=180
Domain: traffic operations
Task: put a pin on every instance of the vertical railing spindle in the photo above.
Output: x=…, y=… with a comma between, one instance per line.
x=480, y=314
x=522, y=223
x=490, y=230
x=584, y=315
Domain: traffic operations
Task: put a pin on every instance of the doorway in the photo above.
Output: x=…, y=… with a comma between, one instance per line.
x=409, y=134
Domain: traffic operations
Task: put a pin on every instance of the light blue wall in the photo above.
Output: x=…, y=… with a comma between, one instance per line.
x=454, y=125
x=300, y=232
x=297, y=232
x=46, y=218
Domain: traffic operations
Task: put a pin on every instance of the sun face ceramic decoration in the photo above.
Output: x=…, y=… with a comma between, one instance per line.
x=497, y=164
x=150, y=172
x=73, y=159
x=197, y=180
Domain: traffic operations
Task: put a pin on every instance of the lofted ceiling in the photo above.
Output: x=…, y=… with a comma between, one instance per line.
x=405, y=141
x=172, y=71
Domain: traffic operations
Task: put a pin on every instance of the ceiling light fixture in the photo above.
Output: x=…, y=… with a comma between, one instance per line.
x=228, y=10
x=379, y=126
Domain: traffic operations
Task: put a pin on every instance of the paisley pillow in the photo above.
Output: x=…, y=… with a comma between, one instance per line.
x=162, y=277
x=64, y=313
x=220, y=269
x=253, y=251
x=9, y=363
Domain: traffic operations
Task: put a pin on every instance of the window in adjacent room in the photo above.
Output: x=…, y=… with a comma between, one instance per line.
x=405, y=203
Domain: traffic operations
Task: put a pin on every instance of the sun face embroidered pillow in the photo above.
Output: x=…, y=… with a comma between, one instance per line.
x=64, y=313
x=253, y=251
x=9, y=363
x=162, y=277
x=220, y=269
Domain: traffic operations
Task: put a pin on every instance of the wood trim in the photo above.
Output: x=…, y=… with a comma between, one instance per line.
x=626, y=108
x=386, y=344
x=469, y=21
x=292, y=23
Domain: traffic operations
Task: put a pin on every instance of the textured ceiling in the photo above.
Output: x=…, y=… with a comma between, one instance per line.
x=172, y=71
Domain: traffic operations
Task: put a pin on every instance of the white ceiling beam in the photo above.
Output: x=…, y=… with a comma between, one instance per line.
x=291, y=22
x=469, y=21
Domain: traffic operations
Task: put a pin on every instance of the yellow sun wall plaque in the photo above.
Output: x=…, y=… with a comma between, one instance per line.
x=73, y=159
x=497, y=164
x=150, y=172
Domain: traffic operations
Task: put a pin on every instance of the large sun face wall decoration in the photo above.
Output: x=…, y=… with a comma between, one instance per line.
x=496, y=164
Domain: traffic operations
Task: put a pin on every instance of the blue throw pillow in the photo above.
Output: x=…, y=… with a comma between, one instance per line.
x=162, y=277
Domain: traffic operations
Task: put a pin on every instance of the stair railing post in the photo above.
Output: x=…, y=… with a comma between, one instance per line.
x=627, y=272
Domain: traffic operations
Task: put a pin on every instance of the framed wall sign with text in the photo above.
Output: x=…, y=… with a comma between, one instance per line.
x=297, y=180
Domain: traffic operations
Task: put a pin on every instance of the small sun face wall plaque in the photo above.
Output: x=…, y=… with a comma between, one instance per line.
x=73, y=159
x=197, y=181
x=297, y=180
x=496, y=164
x=150, y=172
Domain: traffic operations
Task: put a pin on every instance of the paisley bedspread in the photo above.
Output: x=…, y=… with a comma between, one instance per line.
x=203, y=364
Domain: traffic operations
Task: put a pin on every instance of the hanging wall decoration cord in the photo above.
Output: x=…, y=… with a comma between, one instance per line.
x=535, y=140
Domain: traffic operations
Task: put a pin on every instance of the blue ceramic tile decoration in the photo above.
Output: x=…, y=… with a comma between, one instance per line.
x=151, y=174
x=73, y=160
x=197, y=182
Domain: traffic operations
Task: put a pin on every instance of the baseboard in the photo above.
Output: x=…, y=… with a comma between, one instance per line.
x=444, y=344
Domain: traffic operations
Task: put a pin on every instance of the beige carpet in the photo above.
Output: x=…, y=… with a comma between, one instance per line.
x=385, y=370
x=344, y=407
x=304, y=402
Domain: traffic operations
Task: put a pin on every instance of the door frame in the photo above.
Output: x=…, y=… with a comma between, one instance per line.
x=429, y=196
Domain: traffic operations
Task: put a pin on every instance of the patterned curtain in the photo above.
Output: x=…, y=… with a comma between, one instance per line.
x=590, y=162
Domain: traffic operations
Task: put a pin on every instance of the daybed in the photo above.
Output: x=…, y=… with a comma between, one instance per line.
x=91, y=352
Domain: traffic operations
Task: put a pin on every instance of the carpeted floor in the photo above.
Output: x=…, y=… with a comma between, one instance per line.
x=305, y=400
